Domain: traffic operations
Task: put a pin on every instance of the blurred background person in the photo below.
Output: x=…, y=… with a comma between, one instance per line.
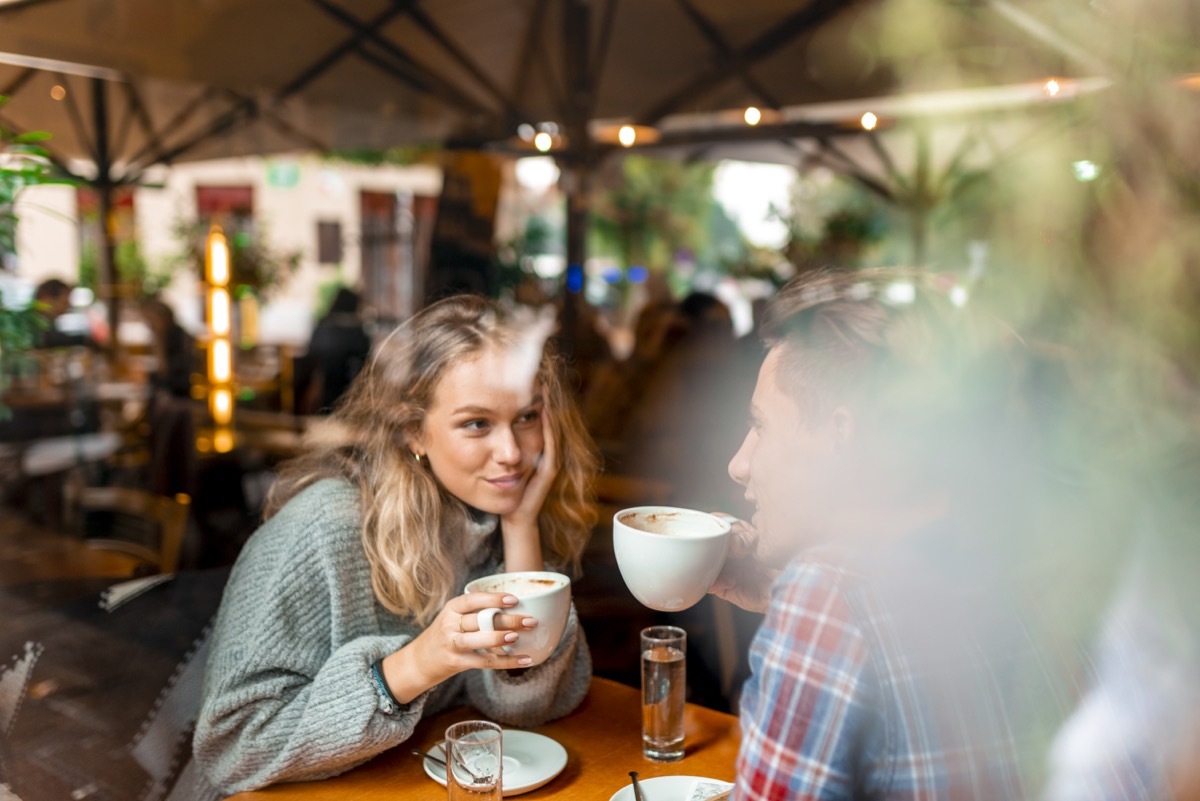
x=617, y=384
x=174, y=349
x=52, y=299
x=337, y=351
x=690, y=407
x=173, y=466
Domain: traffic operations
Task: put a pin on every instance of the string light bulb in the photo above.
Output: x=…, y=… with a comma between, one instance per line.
x=753, y=116
x=223, y=440
x=869, y=121
x=627, y=135
x=218, y=312
x=220, y=349
x=222, y=361
x=222, y=406
x=217, y=257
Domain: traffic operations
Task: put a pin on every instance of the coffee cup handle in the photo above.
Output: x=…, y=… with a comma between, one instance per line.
x=487, y=622
x=487, y=618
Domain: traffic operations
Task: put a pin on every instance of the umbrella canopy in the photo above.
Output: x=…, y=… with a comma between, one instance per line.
x=204, y=78
x=167, y=80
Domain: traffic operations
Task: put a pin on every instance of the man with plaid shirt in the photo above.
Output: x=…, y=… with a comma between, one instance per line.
x=896, y=659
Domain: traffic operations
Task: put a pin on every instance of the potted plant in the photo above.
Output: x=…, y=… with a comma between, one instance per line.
x=254, y=265
x=23, y=162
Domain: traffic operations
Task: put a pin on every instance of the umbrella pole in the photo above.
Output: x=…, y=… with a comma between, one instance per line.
x=107, y=283
x=578, y=192
x=576, y=163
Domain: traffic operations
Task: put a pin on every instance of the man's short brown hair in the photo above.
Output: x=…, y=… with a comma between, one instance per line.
x=861, y=336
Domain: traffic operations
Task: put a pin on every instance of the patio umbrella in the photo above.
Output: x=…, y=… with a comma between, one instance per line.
x=376, y=73
x=186, y=79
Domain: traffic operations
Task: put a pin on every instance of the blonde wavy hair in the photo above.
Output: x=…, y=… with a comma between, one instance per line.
x=412, y=528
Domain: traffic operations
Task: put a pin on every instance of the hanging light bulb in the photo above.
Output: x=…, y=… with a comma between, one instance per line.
x=222, y=361
x=217, y=257
x=223, y=440
x=218, y=312
x=752, y=116
x=627, y=135
x=222, y=406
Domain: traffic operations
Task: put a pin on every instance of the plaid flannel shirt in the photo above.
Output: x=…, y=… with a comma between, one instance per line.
x=837, y=707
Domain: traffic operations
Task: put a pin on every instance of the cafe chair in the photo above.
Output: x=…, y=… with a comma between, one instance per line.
x=137, y=523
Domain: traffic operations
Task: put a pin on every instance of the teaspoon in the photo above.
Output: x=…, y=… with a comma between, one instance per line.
x=430, y=757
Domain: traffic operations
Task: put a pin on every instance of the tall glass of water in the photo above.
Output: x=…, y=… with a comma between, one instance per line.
x=474, y=759
x=664, y=680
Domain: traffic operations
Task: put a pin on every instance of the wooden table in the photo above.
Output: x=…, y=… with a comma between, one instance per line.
x=31, y=552
x=66, y=409
x=602, y=738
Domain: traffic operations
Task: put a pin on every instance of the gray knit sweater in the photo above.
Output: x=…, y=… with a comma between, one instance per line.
x=289, y=693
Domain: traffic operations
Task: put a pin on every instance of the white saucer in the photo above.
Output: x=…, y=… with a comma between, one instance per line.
x=530, y=760
x=673, y=788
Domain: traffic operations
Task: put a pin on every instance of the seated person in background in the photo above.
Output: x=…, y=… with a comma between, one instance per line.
x=53, y=299
x=615, y=386
x=338, y=349
x=174, y=350
x=698, y=384
x=899, y=511
x=457, y=453
x=173, y=467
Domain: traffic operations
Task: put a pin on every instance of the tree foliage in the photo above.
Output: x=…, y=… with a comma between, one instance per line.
x=657, y=209
x=23, y=163
x=253, y=262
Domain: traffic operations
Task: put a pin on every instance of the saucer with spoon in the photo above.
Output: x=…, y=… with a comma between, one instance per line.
x=529, y=761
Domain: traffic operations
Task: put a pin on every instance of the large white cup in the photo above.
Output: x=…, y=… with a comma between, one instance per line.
x=541, y=594
x=669, y=557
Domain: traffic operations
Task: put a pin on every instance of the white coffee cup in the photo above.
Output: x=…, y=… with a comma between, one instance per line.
x=669, y=557
x=541, y=594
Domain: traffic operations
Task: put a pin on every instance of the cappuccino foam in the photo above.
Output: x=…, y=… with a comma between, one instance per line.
x=671, y=524
x=521, y=586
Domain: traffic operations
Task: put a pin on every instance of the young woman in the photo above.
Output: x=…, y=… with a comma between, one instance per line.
x=457, y=453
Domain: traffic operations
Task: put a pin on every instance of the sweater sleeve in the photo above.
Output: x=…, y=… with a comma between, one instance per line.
x=288, y=692
x=543, y=692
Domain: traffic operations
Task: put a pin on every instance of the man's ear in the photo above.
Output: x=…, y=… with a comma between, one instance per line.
x=841, y=424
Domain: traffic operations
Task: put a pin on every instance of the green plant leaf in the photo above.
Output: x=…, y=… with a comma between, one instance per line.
x=31, y=136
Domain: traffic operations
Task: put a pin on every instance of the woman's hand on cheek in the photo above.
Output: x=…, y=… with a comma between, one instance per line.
x=540, y=481
x=519, y=529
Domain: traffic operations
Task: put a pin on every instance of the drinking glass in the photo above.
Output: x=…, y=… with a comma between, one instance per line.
x=664, y=680
x=473, y=761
